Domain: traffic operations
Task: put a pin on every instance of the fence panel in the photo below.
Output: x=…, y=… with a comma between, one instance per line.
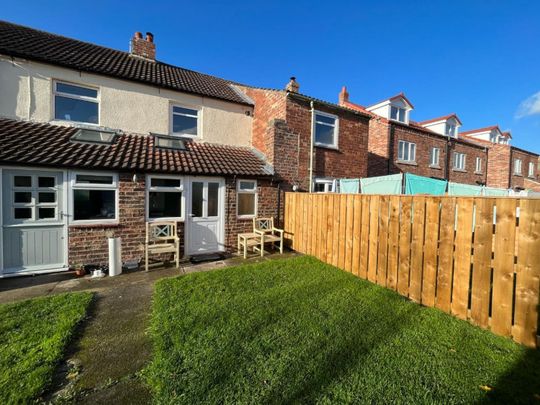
x=477, y=258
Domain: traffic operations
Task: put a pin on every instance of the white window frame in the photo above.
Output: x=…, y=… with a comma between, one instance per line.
x=478, y=165
x=531, y=169
x=158, y=189
x=198, y=116
x=411, y=146
x=329, y=185
x=333, y=145
x=459, y=161
x=397, y=113
x=451, y=130
x=518, y=165
x=254, y=191
x=96, y=100
x=437, y=152
x=85, y=186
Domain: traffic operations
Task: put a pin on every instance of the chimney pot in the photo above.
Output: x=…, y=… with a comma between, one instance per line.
x=343, y=95
x=137, y=35
x=293, y=85
x=144, y=48
x=149, y=37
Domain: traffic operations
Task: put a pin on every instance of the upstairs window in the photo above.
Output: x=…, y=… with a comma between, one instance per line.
x=451, y=130
x=434, y=157
x=406, y=151
x=184, y=121
x=76, y=103
x=459, y=161
x=326, y=130
x=324, y=186
x=478, y=168
x=397, y=114
x=531, y=169
x=517, y=167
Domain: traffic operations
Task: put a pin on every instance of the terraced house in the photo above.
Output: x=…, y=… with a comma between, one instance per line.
x=96, y=141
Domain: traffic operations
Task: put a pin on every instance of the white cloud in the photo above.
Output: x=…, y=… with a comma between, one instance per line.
x=529, y=106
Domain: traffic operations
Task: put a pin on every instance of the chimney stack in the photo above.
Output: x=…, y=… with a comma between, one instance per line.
x=293, y=85
x=143, y=47
x=343, y=96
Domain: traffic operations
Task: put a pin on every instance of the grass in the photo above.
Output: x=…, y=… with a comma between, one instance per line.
x=300, y=331
x=33, y=335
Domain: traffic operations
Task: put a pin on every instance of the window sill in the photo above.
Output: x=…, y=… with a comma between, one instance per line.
x=95, y=225
x=531, y=177
x=78, y=124
x=459, y=170
x=518, y=175
x=406, y=162
x=165, y=219
x=480, y=173
x=245, y=217
x=435, y=167
x=322, y=145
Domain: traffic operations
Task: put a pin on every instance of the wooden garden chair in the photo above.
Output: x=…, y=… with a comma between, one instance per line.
x=161, y=237
x=269, y=233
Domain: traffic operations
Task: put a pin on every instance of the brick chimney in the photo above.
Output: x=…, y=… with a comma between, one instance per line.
x=143, y=47
x=293, y=85
x=343, y=95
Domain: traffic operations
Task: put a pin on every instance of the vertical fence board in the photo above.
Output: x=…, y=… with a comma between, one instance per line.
x=342, y=231
x=357, y=234
x=528, y=273
x=462, y=258
x=417, y=248
x=349, y=233
x=364, y=239
x=373, y=237
x=446, y=253
x=429, y=278
x=382, y=251
x=503, y=266
x=481, y=273
x=404, y=264
x=393, y=242
x=330, y=224
x=337, y=236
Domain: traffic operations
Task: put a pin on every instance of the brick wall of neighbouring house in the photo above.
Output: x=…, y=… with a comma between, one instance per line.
x=469, y=175
x=531, y=185
x=518, y=180
x=498, y=172
x=378, y=147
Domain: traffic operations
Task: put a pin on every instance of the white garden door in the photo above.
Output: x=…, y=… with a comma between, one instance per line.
x=33, y=226
x=205, y=219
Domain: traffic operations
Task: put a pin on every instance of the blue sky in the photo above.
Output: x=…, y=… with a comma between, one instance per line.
x=480, y=59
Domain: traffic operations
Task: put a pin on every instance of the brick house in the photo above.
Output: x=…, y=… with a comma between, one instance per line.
x=286, y=121
x=96, y=142
x=431, y=148
x=508, y=166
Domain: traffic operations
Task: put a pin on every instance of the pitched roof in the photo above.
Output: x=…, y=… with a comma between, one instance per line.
x=399, y=95
x=485, y=129
x=444, y=118
x=29, y=43
x=30, y=143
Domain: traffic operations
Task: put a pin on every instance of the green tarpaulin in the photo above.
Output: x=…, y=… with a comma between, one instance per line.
x=349, y=186
x=495, y=192
x=382, y=184
x=424, y=185
x=463, y=189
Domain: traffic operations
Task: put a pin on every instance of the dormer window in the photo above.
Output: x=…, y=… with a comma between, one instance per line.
x=397, y=113
x=451, y=130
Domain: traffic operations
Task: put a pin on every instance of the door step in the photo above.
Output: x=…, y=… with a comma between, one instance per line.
x=206, y=257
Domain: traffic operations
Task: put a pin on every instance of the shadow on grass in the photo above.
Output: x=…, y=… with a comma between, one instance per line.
x=522, y=381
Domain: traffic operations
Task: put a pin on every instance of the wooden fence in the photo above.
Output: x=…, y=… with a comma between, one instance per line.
x=477, y=258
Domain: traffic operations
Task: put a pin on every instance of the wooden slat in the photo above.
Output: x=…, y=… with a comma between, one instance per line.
x=503, y=266
x=446, y=254
x=417, y=248
x=382, y=251
x=337, y=226
x=462, y=258
x=349, y=224
x=330, y=229
x=373, y=237
x=481, y=273
x=357, y=234
x=431, y=241
x=393, y=243
x=404, y=263
x=316, y=224
x=528, y=273
x=364, y=238
x=342, y=230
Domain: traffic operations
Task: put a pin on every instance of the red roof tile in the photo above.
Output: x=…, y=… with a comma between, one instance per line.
x=444, y=118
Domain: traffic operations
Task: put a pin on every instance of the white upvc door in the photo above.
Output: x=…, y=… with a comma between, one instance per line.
x=33, y=221
x=205, y=231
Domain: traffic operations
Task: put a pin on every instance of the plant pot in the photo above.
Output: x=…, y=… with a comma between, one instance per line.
x=79, y=272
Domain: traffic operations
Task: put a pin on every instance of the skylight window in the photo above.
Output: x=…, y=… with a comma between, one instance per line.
x=94, y=136
x=169, y=142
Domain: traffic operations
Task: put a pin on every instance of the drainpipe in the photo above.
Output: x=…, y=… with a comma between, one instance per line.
x=511, y=169
x=447, y=160
x=391, y=148
x=311, y=147
x=279, y=204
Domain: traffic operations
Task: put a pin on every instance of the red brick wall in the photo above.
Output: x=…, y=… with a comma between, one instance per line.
x=526, y=158
x=531, y=185
x=378, y=147
x=469, y=176
x=498, y=165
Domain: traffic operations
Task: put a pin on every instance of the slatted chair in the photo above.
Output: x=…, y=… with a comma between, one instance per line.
x=269, y=233
x=162, y=237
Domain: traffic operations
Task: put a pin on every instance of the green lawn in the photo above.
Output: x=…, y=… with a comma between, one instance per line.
x=300, y=331
x=33, y=335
